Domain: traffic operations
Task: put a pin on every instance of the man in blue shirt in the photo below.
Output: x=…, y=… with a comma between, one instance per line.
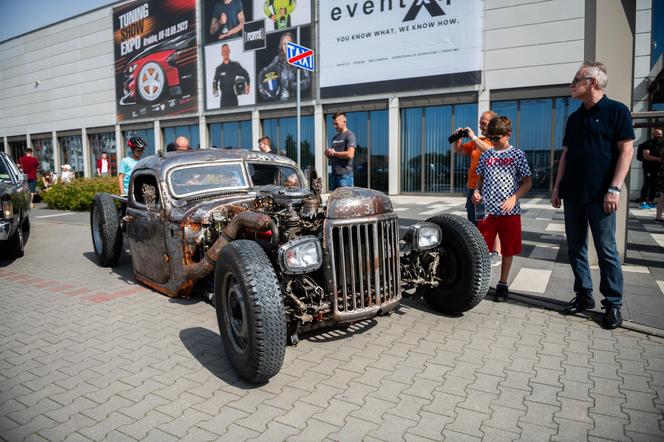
x=597, y=152
x=137, y=146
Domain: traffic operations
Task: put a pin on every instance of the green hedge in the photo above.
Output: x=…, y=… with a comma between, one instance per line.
x=78, y=194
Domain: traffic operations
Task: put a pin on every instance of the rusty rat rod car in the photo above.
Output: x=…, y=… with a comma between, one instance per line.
x=249, y=231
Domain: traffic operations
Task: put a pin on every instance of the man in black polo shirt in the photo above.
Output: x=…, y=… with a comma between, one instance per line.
x=597, y=152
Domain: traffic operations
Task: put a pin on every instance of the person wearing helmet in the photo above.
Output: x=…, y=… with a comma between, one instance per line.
x=279, y=11
x=137, y=147
x=278, y=80
x=230, y=79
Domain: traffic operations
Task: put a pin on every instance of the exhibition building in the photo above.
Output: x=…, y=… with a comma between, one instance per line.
x=407, y=73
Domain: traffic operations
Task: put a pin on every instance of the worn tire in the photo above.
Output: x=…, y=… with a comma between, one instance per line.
x=250, y=311
x=18, y=240
x=105, y=229
x=464, y=269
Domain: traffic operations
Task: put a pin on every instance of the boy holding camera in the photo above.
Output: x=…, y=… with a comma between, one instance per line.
x=504, y=178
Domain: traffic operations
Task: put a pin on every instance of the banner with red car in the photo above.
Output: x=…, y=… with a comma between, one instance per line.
x=155, y=58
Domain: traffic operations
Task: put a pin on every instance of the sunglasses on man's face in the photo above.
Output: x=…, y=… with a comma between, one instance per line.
x=494, y=138
x=576, y=80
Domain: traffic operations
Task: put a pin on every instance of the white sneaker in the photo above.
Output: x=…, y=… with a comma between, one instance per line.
x=496, y=259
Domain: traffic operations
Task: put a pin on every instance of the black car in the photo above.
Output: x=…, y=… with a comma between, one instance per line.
x=15, y=208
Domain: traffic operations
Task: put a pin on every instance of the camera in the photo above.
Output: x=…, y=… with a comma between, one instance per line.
x=457, y=135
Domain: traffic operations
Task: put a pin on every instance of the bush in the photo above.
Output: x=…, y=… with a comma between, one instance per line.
x=78, y=194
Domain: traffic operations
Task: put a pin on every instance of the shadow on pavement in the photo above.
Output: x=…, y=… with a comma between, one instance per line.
x=421, y=304
x=123, y=269
x=339, y=332
x=206, y=346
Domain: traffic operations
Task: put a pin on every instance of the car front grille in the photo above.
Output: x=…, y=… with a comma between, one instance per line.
x=362, y=260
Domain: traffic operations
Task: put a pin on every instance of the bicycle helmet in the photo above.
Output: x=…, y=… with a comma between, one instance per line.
x=136, y=142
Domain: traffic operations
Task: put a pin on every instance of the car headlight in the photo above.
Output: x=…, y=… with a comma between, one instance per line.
x=7, y=209
x=425, y=236
x=301, y=255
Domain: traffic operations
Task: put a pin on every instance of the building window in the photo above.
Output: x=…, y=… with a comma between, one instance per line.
x=71, y=152
x=426, y=155
x=657, y=32
x=283, y=134
x=43, y=149
x=99, y=143
x=235, y=134
x=190, y=131
x=371, y=162
x=146, y=134
x=17, y=148
x=538, y=126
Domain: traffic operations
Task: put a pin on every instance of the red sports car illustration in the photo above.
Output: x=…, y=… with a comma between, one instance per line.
x=158, y=69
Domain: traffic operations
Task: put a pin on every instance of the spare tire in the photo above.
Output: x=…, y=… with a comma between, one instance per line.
x=464, y=270
x=105, y=228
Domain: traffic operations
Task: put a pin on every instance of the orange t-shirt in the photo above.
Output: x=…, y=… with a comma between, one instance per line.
x=471, y=149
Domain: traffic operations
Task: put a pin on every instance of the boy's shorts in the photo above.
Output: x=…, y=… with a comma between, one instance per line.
x=508, y=227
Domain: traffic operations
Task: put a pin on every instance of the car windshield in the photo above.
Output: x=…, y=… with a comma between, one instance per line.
x=206, y=178
x=263, y=174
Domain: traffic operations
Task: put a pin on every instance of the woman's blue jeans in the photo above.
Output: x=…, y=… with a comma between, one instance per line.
x=578, y=216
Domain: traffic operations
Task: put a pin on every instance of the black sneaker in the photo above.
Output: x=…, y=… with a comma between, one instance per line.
x=580, y=303
x=612, y=316
x=501, y=292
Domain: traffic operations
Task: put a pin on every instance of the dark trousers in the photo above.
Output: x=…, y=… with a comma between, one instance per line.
x=649, y=187
x=578, y=216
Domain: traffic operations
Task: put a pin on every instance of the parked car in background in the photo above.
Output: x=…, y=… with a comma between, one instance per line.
x=15, y=208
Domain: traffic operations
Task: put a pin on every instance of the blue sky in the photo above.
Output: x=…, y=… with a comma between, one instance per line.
x=20, y=16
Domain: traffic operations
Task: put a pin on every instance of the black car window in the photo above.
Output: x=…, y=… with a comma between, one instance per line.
x=4, y=171
x=146, y=192
x=263, y=174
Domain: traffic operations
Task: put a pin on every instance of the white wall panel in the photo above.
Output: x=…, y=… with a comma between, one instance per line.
x=530, y=76
x=568, y=30
x=537, y=55
x=73, y=61
x=530, y=13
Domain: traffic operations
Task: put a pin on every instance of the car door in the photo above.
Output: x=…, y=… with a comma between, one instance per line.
x=146, y=227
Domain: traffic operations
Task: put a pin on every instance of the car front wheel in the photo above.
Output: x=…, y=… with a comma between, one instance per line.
x=250, y=311
x=464, y=271
x=106, y=232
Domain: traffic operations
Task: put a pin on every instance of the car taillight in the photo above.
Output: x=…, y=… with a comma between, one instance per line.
x=7, y=209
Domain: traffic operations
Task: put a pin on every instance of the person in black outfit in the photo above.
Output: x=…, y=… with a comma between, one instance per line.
x=652, y=150
x=230, y=78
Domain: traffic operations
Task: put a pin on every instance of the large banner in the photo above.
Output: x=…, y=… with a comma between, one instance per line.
x=155, y=58
x=397, y=45
x=236, y=77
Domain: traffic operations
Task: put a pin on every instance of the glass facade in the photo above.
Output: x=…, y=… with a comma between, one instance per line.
x=426, y=155
x=71, y=152
x=146, y=134
x=538, y=127
x=190, y=131
x=371, y=160
x=103, y=142
x=43, y=149
x=17, y=148
x=230, y=134
x=283, y=134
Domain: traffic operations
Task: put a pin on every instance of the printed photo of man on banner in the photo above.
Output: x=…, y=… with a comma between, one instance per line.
x=229, y=74
x=276, y=79
x=224, y=19
x=283, y=14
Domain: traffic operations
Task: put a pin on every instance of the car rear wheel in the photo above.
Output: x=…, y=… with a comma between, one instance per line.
x=106, y=232
x=464, y=270
x=250, y=311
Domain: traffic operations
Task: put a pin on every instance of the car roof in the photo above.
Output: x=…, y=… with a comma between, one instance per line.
x=171, y=159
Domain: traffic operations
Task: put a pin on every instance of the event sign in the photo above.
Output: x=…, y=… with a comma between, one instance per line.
x=397, y=45
x=155, y=58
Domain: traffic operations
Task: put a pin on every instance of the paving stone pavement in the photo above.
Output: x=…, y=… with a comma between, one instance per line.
x=88, y=354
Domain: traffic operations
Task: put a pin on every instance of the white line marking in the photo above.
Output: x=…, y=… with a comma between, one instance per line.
x=659, y=238
x=661, y=285
x=546, y=252
x=628, y=268
x=531, y=280
x=555, y=228
x=57, y=214
x=400, y=209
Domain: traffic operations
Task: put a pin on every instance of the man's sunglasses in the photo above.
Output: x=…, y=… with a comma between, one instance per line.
x=494, y=138
x=576, y=80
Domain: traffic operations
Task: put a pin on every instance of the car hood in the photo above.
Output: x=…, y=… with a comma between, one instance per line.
x=354, y=202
